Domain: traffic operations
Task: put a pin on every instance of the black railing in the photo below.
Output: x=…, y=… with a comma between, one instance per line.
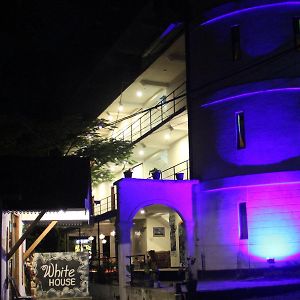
x=105, y=205
x=155, y=116
x=171, y=172
x=108, y=204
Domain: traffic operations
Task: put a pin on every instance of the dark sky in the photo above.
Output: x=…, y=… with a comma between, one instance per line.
x=57, y=57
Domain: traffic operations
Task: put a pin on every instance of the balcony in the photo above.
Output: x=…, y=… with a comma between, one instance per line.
x=154, y=117
x=107, y=207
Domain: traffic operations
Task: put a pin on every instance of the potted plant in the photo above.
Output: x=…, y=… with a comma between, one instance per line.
x=128, y=173
x=155, y=173
x=179, y=176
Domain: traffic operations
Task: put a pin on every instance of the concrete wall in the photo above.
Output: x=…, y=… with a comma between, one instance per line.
x=110, y=292
x=157, y=243
x=178, y=152
x=259, y=84
x=273, y=215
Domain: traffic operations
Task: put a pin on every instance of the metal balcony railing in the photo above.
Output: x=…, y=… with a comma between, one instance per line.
x=156, y=116
x=182, y=167
x=110, y=203
x=105, y=205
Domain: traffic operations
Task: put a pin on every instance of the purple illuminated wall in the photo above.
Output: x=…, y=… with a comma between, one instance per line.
x=273, y=213
x=265, y=85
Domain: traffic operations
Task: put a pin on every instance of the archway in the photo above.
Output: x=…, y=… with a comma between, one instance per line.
x=159, y=228
x=135, y=194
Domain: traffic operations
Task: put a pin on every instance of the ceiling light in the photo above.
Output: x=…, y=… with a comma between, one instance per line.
x=101, y=236
x=167, y=136
x=113, y=233
x=91, y=238
x=142, y=211
x=121, y=107
x=139, y=93
x=104, y=241
x=141, y=152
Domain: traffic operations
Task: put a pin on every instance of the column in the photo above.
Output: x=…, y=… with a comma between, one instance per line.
x=124, y=250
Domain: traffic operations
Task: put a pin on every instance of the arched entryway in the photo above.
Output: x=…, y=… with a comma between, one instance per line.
x=157, y=230
x=136, y=194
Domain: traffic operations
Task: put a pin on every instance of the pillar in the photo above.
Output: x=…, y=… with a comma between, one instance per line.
x=124, y=250
x=190, y=244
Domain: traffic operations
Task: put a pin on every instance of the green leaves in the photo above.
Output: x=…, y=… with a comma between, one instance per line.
x=71, y=135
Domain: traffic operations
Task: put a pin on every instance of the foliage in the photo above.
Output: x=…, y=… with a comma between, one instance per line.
x=70, y=135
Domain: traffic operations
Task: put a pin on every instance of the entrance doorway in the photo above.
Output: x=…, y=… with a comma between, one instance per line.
x=157, y=233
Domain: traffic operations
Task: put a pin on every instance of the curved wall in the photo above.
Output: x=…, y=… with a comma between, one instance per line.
x=263, y=84
x=263, y=177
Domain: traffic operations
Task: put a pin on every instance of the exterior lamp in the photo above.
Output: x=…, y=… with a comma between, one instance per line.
x=104, y=241
x=101, y=236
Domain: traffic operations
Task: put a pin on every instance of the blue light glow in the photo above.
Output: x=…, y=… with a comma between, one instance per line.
x=289, y=89
x=170, y=28
x=274, y=231
x=246, y=10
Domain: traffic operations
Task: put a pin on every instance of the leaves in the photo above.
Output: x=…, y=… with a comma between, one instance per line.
x=71, y=135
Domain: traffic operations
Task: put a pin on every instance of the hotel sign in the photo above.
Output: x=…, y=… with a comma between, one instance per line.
x=61, y=274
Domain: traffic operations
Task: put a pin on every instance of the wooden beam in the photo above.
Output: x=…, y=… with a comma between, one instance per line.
x=39, y=239
x=16, y=233
x=25, y=235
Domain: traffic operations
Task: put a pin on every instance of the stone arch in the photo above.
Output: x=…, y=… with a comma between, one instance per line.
x=133, y=194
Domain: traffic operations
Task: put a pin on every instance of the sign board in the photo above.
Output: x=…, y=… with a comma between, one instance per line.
x=61, y=274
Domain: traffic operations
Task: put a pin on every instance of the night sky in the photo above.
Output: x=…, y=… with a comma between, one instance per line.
x=66, y=57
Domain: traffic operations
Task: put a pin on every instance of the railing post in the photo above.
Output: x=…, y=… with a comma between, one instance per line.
x=140, y=126
x=112, y=193
x=131, y=132
x=150, y=118
x=174, y=103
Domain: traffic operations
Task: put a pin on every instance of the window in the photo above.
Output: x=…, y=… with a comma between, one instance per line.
x=243, y=224
x=296, y=23
x=240, y=130
x=235, y=40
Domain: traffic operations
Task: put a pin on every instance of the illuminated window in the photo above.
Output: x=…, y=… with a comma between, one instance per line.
x=243, y=224
x=296, y=23
x=235, y=40
x=240, y=130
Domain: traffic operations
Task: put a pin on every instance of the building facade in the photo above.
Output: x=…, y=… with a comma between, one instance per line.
x=243, y=130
